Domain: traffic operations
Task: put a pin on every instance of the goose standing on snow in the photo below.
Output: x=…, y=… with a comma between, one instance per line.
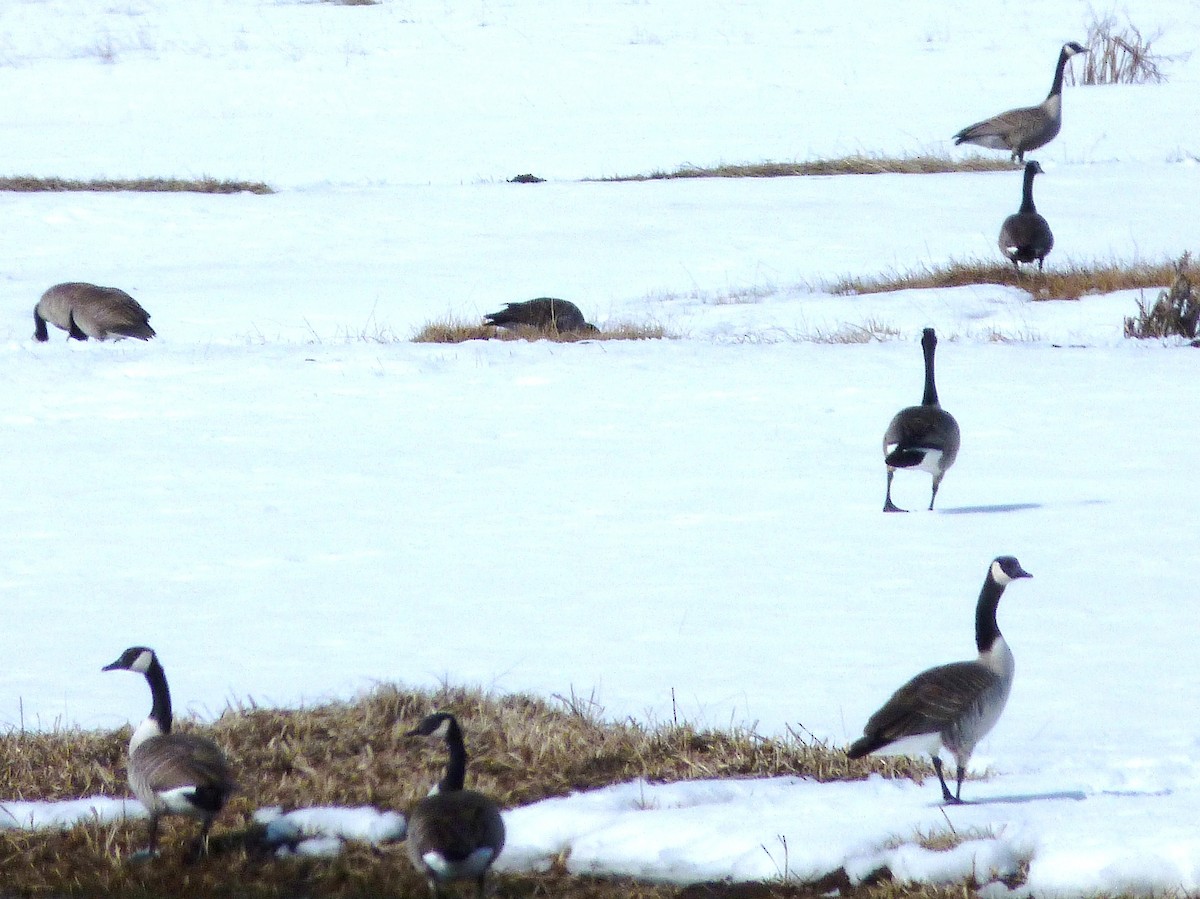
x=453, y=834
x=1025, y=236
x=951, y=706
x=1027, y=128
x=169, y=773
x=86, y=310
x=924, y=437
x=544, y=313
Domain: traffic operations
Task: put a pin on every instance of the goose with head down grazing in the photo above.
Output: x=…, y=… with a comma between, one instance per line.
x=88, y=310
x=544, y=314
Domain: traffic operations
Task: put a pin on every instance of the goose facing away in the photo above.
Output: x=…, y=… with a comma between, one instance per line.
x=951, y=706
x=1025, y=236
x=544, y=313
x=1027, y=128
x=87, y=310
x=453, y=833
x=924, y=437
x=170, y=773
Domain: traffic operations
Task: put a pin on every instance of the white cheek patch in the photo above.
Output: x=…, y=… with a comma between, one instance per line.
x=999, y=576
x=442, y=729
x=142, y=664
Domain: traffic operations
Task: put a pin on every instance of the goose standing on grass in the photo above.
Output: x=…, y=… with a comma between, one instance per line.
x=1025, y=236
x=1025, y=129
x=169, y=773
x=453, y=834
x=951, y=706
x=544, y=313
x=924, y=437
x=87, y=310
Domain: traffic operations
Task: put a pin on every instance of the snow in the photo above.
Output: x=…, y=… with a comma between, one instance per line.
x=289, y=506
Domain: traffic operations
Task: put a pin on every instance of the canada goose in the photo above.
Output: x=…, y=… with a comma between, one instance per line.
x=1025, y=236
x=172, y=774
x=1027, y=128
x=924, y=437
x=955, y=705
x=86, y=310
x=453, y=834
x=543, y=313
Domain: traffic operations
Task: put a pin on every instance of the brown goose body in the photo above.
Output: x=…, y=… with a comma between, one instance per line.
x=88, y=310
x=1029, y=127
x=170, y=773
x=453, y=833
x=951, y=706
x=1025, y=235
x=544, y=314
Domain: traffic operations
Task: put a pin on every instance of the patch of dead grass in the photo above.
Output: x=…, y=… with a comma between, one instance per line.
x=1120, y=54
x=1066, y=283
x=1176, y=312
x=856, y=164
x=452, y=330
x=34, y=184
x=355, y=753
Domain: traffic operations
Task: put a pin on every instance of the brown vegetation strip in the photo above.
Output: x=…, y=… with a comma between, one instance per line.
x=859, y=164
x=32, y=184
x=451, y=331
x=522, y=749
x=1067, y=283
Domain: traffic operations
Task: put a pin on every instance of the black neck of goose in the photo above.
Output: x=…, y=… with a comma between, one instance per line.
x=456, y=768
x=1027, y=192
x=987, y=631
x=1056, y=87
x=160, y=710
x=930, y=398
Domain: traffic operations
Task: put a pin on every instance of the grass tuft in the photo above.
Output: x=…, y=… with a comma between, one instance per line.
x=450, y=330
x=355, y=753
x=34, y=184
x=1175, y=313
x=1120, y=54
x=857, y=164
x=1067, y=283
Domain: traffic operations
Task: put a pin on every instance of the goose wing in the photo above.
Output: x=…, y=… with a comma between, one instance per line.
x=999, y=132
x=178, y=761
x=931, y=701
x=113, y=311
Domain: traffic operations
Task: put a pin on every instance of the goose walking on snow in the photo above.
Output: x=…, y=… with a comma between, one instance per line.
x=87, y=310
x=544, y=313
x=1027, y=128
x=1025, y=236
x=924, y=437
x=952, y=706
x=170, y=773
x=453, y=833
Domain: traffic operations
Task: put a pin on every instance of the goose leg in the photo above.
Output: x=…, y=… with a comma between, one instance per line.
x=962, y=772
x=481, y=886
x=888, y=505
x=152, y=849
x=947, y=796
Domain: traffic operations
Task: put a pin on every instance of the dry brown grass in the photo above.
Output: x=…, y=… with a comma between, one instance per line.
x=1066, y=283
x=1176, y=312
x=857, y=164
x=451, y=330
x=522, y=749
x=33, y=184
x=1120, y=54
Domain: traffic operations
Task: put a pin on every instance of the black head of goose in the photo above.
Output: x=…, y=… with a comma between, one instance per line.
x=87, y=310
x=544, y=314
x=951, y=706
x=1029, y=127
x=1025, y=236
x=923, y=437
x=453, y=833
x=170, y=773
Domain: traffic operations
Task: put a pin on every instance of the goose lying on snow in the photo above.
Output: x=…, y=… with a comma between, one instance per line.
x=87, y=310
x=924, y=437
x=170, y=773
x=1025, y=236
x=951, y=706
x=453, y=834
x=1027, y=128
x=544, y=313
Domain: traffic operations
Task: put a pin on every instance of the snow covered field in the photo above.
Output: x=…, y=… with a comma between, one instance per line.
x=288, y=509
